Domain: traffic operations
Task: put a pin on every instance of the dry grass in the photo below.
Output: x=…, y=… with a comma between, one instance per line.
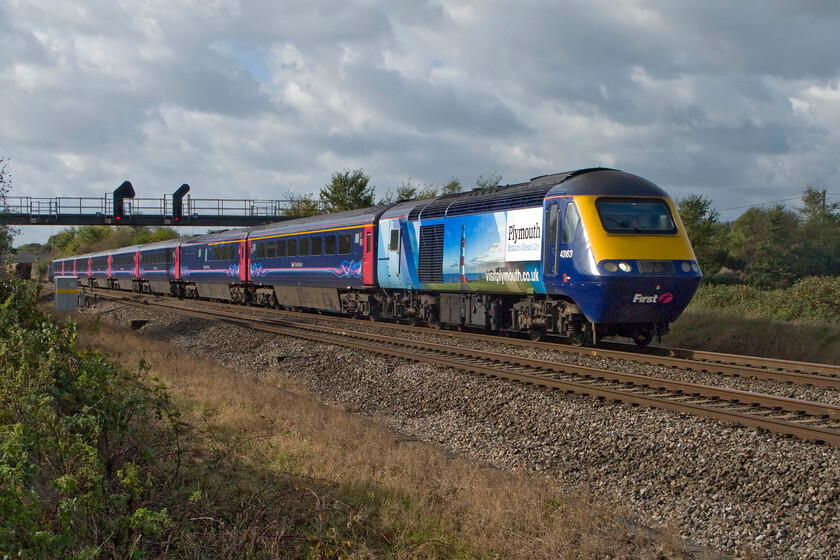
x=360, y=490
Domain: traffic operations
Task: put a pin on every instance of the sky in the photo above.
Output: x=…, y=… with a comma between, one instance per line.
x=735, y=101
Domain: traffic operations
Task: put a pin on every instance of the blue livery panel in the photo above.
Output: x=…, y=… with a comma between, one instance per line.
x=497, y=252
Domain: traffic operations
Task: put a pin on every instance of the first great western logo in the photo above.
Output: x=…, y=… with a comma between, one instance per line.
x=662, y=298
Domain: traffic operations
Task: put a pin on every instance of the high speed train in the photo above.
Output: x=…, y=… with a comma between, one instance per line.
x=583, y=254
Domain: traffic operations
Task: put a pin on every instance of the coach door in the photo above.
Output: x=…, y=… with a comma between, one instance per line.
x=244, y=273
x=551, y=221
x=389, y=252
x=568, y=230
x=367, y=256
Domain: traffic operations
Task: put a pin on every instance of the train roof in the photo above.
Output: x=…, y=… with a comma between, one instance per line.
x=349, y=218
x=82, y=256
x=165, y=244
x=592, y=181
x=217, y=237
x=123, y=250
x=602, y=182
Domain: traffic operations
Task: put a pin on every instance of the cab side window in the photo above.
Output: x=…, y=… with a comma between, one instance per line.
x=570, y=222
x=551, y=220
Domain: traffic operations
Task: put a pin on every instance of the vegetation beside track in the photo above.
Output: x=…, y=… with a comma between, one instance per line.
x=815, y=299
x=815, y=341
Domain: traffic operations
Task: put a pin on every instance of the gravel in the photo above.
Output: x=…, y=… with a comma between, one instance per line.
x=733, y=489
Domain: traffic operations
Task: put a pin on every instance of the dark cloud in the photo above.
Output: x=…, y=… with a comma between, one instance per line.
x=431, y=108
x=207, y=81
x=737, y=101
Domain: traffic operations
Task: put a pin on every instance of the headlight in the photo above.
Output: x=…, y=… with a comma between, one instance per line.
x=686, y=267
x=695, y=267
x=610, y=267
x=625, y=267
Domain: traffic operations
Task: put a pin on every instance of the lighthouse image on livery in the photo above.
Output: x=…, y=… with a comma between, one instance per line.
x=463, y=244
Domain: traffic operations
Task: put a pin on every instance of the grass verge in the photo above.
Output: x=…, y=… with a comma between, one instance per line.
x=273, y=473
x=724, y=332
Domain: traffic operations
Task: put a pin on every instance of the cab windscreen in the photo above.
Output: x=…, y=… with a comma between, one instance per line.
x=635, y=216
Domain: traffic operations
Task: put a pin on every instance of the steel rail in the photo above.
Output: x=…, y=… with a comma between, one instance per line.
x=628, y=388
x=771, y=369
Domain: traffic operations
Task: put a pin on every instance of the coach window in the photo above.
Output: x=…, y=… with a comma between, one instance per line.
x=329, y=245
x=357, y=238
x=281, y=248
x=232, y=252
x=316, y=246
x=570, y=222
x=344, y=244
x=260, y=250
x=269, y=250
x=291, y=245
x=395, y=240
x=303, y=246
x=217, y=253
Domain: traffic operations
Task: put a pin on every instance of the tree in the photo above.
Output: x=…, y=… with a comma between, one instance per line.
x=347, y=190
x=302, y=205
x=820, y=234
x=452, y=187
x=488, y=181
x=766, y=240
x=7, y=233
x=700, y=221
x=409, y=191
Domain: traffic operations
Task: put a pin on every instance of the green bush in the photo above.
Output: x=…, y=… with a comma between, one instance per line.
x=810, y=299
x=77, y=469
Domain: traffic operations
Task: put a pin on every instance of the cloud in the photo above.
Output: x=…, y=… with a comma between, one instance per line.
x=737, y=102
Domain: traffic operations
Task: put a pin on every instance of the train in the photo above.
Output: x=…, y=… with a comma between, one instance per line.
x=584, y=255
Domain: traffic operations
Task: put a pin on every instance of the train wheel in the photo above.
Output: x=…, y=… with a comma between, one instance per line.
x=642, y=338
x=536, y=333
x=579, y=338
x=412, y=321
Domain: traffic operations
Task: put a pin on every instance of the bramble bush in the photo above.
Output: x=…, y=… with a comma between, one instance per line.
x=84, y=444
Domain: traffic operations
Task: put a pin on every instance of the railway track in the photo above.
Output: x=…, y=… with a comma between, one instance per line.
x=783, y=371
x=806, y=420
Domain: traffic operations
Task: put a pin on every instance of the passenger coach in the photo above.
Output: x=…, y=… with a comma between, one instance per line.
x=322, y=262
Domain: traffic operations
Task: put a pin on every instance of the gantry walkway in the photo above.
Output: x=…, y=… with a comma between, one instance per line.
x=122, y=208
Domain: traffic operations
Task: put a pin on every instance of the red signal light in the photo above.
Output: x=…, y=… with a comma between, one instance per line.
x=118, y=218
